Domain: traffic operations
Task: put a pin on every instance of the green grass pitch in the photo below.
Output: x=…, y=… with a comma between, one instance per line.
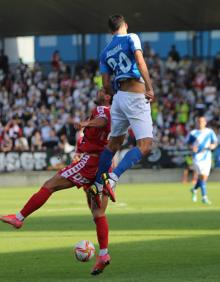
x=156, y=234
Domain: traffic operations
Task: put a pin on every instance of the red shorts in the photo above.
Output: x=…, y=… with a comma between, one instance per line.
x=83, y=172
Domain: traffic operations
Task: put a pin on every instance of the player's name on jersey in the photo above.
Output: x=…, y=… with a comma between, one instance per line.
x=114, y=51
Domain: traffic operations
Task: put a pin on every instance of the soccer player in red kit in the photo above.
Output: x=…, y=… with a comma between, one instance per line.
x=80, y=173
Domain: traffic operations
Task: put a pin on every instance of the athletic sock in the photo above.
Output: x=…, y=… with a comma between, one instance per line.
x=105, y=162
x=19, y=216
x=102, y=233
x=203, y=188
x=36, y=201
x=132, y=157
x=103, y=252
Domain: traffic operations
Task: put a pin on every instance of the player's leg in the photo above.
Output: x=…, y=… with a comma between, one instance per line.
x=185, y=174
x=100, y=219
x=194, y=176
x=139, y=116
x=205, y=167
x=119, y=126
x=202, y=169
x=37, y=200
x=197, y=184
x=107, y=155
x=203, y=180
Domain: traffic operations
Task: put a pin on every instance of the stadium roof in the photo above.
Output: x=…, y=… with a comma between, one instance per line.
x=41, y=17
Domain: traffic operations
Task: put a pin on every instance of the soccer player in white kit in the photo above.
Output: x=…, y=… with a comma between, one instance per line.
x=122, y=64
x=202, y=141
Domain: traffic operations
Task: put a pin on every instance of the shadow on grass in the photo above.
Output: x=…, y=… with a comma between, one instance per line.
x=167, y=260
x=205, y=220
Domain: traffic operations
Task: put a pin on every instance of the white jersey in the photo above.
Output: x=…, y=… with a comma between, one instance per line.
x=202, y=139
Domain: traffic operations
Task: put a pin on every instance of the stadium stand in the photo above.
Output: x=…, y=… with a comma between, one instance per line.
x=37, y=109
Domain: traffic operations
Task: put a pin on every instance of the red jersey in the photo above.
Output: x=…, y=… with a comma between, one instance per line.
x=95, y=139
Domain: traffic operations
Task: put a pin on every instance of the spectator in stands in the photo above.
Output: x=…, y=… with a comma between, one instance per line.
x=6, y=144
x=51, y=142
x=174, y=54
x=69, y=131
x=28, y=130
x=210, y=93
x=216, y=64
x=21, y=144
x=3, y=62
x=45, y=130
x=13, y=129
x=147, y=50
x=56, y=60
x=36, y=102
x=36, y=141
x=64, y=145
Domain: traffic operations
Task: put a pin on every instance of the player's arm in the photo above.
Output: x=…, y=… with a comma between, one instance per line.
x=135, y=45
x=139, y=58
x=191, y=143
x=214, y=141
x=106, y=73
x=106, y=82
x=98, y=122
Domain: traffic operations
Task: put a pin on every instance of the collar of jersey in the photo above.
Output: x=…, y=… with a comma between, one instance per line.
x=119, y=35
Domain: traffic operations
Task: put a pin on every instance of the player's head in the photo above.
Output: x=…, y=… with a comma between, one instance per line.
x=116, y=23
x=103, y=98
x=201, y=122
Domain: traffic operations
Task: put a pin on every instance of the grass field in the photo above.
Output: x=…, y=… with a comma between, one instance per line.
x=156, y=234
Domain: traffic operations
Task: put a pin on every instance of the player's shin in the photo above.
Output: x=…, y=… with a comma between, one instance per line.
x=35, y=202
x=105, y=162
x=203, y=188
x=132, y=157
x=102, y=234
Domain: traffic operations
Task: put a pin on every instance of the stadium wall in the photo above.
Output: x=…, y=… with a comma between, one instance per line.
x=206, y=44
x=37, y=178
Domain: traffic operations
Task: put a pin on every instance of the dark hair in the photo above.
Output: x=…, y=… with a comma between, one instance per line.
x=115, y=22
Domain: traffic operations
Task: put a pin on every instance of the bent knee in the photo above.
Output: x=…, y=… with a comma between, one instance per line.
x=115, y=143
x=49, y=186
x=98, y=212
x=114, y=147
x=145, y=145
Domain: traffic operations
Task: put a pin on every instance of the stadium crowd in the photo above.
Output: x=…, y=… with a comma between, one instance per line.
x=38, y=109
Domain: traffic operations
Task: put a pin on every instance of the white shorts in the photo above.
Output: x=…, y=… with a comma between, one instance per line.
x=202, y=167
x=131, y=109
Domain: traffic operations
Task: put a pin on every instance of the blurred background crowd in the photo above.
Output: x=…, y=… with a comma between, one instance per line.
x=38, y=108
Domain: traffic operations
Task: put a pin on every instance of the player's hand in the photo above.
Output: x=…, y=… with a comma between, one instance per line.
x=77, y=125
x=80, y=125
x=195, y=149
x=150, y=95
x=76, y=157
x=212, y=146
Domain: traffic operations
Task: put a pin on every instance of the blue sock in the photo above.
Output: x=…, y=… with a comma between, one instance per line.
x=203, y=187
x=105, y=162
x=197, y=185
x=131, y=158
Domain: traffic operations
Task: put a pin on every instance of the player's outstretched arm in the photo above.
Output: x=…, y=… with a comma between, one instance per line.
x=96, y=122
x=144, y=73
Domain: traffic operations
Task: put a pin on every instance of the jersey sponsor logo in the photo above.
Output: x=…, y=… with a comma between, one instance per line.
x=101, y=112
x=77, y=167
x=113, y=51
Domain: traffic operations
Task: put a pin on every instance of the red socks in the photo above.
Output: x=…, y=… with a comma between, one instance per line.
x=102, y=231
x=36, y=201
